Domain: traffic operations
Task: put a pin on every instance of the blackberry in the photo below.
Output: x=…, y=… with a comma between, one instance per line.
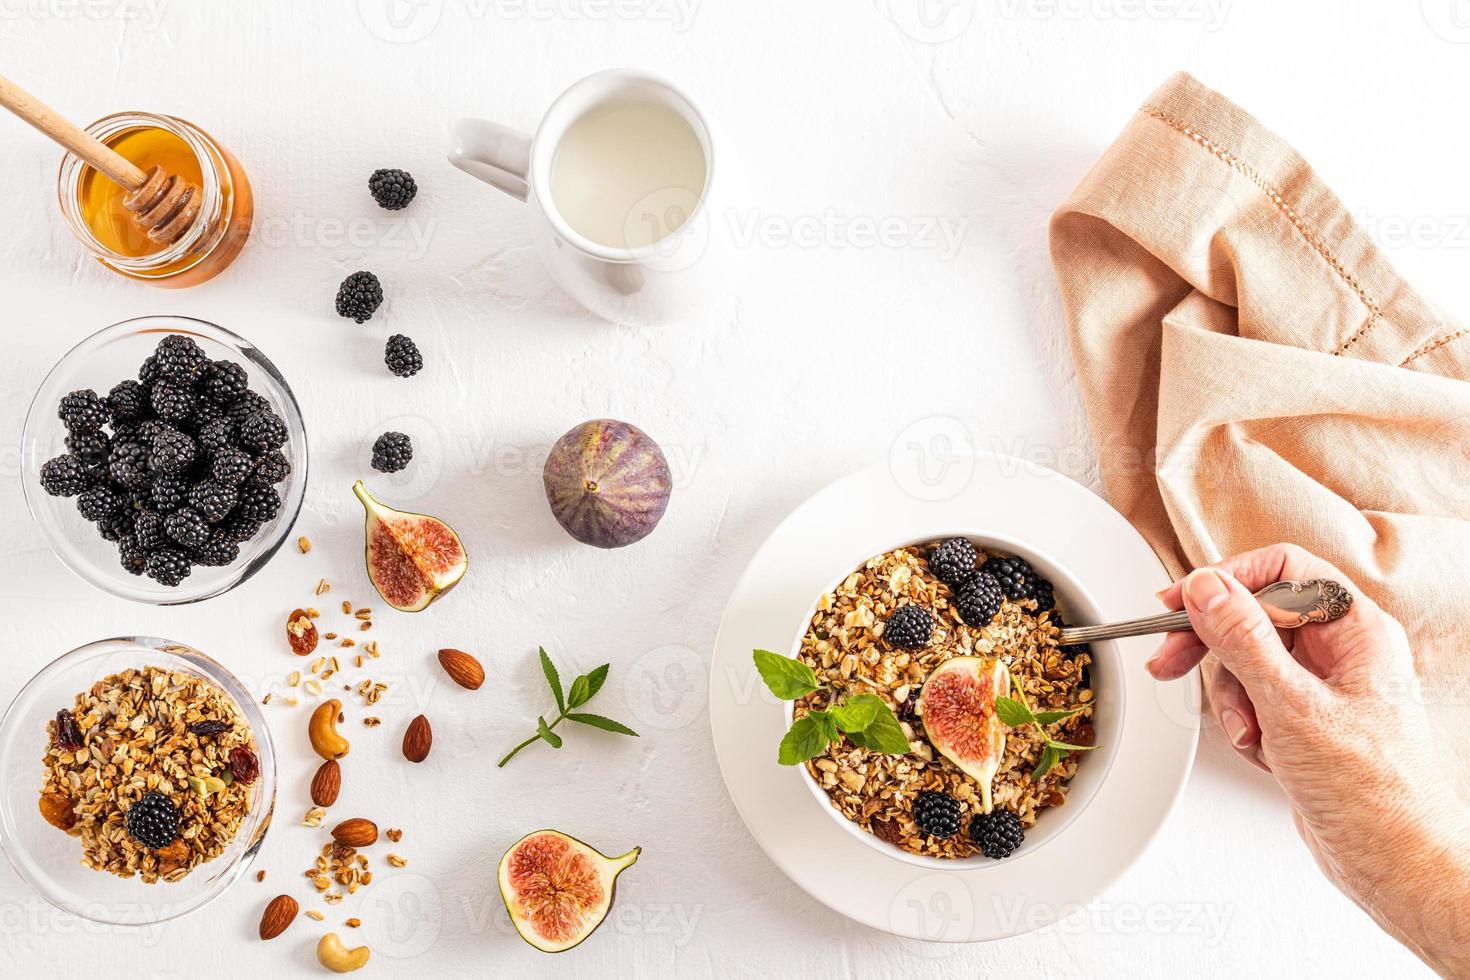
x=217, y=552
x=181, y=361
x=186, y=526
x=997, y=833
x=1016, y=577
x=910, y=627
x=225, y=382
x=117, y=525
x=271, y=469
x=126, y=432
x=167, y=566
x=172, y=452
x=127, y=466
x=359, y=296
x=64, y=476
x=937, y=814
x=153, y=821
x=149, y=429
x=172, y=402
x=217, y=436
x=148, y=530
x=231, y=467
x=1046, y=597
x=205, y=412
x=238, y=528
x=91, y=450
x=127, y=401
x=953, y=561
x=148, y=370
x=168, y=493
x=82, y=411
x=131, y=555
x=249, y=403
x=263, y=432
x=212, y=500
x=980, y=599
x=258, y=503
x=908, y=708
x=392, y=452
x=392, y=189
x=402, y=356
x=98, y=501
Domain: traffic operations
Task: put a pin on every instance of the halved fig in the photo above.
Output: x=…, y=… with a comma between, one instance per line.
x=958, y=707
x=412, y=559
x=557, y=889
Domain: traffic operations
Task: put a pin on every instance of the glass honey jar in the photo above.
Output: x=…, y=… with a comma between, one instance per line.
x=93, y=205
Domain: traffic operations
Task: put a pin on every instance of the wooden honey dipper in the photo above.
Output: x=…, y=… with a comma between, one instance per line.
x=163, y=205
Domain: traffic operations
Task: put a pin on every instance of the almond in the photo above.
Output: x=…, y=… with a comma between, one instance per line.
x=279, y=914
x=417, y=739
x=357, y=832
x=462, y=668
x=327, y=783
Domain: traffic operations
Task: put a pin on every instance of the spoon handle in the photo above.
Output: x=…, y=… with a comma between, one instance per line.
x=1287, y=604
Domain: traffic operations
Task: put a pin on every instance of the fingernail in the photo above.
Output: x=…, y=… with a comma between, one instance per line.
x=1206, y=588
x=1235, y=727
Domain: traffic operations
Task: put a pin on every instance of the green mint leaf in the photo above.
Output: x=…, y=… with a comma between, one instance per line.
x=806, y=740
x=544, y=730
x=1068, y=746
x=606, y=724
x=1014, y=713
x=594, y=682
x=884, y=734
x=857, y=713
x=577, y=696
x=787, y=678
x=1049, y=758
x=554, y=679
x=827, y=723
x=1052, y=717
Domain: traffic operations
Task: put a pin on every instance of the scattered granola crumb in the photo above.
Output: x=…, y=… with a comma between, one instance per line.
x=267, y=698
x=314, y=914
x=330, y=636
x=348, y=641
x=313, y=612
x=304, y=543
x=397, y=861
x=366, y=626
x=395, y=835
x=315, y=816
x=353, y=922
x=363, y=613
x=372, y=721
x=346, y=608
x=323, y=587
x=260, y=875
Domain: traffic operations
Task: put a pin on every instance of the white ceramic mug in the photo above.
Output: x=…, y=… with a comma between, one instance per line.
x=649, y=283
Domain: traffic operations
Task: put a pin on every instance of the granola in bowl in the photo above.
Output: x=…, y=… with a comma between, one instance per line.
x=150, y=771
x=1013, y=619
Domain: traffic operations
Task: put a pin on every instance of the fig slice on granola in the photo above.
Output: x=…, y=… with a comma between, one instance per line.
x=958, y=703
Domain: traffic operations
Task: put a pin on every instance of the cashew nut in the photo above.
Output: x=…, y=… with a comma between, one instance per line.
x=338, y=958
x=325, y=739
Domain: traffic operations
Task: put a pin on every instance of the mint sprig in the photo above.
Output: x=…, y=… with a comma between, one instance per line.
x=1017, y=714
x=865, y=720
x=583, y=688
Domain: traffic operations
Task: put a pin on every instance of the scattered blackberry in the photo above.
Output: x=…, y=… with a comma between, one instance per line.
x=937, y=814
x=217, y=552
x=64, y=476
x=96, y=502
x=239, y=528
x=271, y=469
x=131, y=555
x=127, y=401
x=212, y=500
x=172, y=402
x=392, y=189
x=1016, y=577
x=359, y=296
x=167, y=566
x=910, y=627
x=82, y=411
x=953, y=561
x=402, y=356
x=91, y=450
x=186, y=526
x=153, y=821
x=181, y=361
x=249, y=403
x=148, y=530
x=168, y=493
x=172, y=452
x=997, y=833
x=980, y=599
x=257, y=503
x=263, y=432
x=225, y=382
x=117, y=525
x=392, y=452
x=231, y=467
x=217, y=436
x=127, y=466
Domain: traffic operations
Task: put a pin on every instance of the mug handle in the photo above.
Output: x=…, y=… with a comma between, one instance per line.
x=496, y=154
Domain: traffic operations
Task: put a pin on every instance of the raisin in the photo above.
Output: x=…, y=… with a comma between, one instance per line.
x=301, y=633
x=888, y=829
x=65, y=734
x=244, y=765
x=203, y=729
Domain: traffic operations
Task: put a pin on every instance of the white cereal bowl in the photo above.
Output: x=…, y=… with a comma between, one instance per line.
x=1108, y=697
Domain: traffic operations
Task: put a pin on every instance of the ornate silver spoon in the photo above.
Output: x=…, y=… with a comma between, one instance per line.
x=1288, y=604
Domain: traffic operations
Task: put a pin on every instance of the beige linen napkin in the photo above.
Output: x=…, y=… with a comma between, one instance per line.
x=1255, y=371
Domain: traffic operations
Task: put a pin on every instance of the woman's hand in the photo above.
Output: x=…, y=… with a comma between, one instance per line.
x=1333, y=712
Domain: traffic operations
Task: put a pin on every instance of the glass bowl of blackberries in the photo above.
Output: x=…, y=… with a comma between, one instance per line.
x=164, y=460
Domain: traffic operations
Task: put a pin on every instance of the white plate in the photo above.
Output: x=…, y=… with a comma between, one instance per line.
x=893, y=502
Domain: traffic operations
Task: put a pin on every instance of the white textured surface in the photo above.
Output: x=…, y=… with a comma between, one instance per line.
x=816, y=355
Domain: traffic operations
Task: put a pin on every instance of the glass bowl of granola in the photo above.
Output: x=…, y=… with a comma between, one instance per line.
x=1001, y=604
x=138, y=781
